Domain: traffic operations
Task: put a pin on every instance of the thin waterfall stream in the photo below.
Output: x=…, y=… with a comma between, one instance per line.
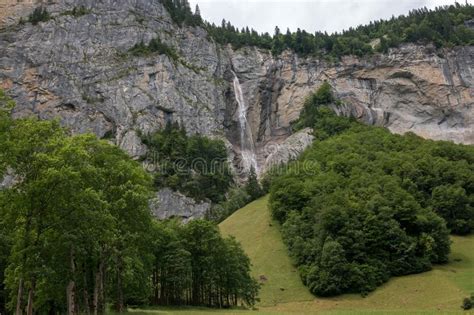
x=247, y=146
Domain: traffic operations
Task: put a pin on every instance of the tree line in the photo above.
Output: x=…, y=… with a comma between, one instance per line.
x=362, y=205
x=76, y=233
x=444, y=26
x=194, y=265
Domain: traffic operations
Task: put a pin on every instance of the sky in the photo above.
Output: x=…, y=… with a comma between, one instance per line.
x=310, y=15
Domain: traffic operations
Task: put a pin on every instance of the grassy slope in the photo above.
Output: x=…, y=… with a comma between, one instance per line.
x=261, y=240
x=440, y=289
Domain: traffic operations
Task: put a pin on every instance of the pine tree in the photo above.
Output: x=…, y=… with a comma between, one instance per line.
x=278, y=45
x=288, y=39
x=253, y=188
x=197, y=11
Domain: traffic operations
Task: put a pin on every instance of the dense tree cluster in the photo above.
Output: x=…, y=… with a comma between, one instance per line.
x=194, y=165
x=76, y=233
x=226, y=33
x=443, y=26
x=318, y=115
x=180, y=12
x=364, y=205
x=194, y=265
x=74, y=222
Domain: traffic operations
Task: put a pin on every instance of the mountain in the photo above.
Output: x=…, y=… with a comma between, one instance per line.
x=80, y=68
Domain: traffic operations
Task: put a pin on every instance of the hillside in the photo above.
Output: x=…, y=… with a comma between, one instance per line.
x=441, y=289
x=260, y=237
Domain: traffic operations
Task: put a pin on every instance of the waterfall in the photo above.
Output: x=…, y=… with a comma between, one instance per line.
x=247, y=146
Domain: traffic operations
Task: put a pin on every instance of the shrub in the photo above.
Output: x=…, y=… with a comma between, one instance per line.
x=154, y=46
x=467, y=303
x=40, y=14
x=77, y=11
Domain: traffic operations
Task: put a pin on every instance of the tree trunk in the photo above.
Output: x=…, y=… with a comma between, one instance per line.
x=87, y=307
x=19, y=298
x=71, y=288
x=96, y=292
x=119, y=307
x=102, y=288
x=98, y=302
x=71, y=298
x=31, y=295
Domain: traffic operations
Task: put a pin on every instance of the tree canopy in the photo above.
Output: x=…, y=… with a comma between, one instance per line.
x=76, y=233
x=195, y=165
x=362, y=205
x=194, y=265
x=77, y=211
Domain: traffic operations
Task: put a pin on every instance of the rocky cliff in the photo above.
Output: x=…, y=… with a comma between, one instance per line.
x=170, y=204
x=78, y=70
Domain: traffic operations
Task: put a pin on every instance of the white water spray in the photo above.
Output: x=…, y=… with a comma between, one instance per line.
x=247, y=146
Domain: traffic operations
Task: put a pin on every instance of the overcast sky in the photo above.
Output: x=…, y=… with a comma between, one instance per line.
x=310, y=15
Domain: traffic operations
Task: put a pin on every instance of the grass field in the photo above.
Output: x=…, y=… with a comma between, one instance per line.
x=439, y=291
x=261, y=240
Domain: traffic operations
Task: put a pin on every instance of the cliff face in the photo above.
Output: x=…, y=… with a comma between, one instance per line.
x=78, y=69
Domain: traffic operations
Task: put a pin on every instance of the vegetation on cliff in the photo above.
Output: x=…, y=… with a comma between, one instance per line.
x=40, y=14
x=194, y=165
x=317, y=114
x=443, y=26
x=154, y=46
x=364, y=205
x=76, y=233
x=198, y=167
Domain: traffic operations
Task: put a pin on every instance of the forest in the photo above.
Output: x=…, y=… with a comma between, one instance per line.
x=362, y=205
x=443, y=26
x=77, y=235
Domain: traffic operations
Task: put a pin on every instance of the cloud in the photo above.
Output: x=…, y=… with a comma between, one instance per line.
x=310, y=15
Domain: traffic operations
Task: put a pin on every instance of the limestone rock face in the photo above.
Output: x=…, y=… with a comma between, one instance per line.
x=171, y=204
x=412, y=88
x=79, y=70
x=288, y=150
